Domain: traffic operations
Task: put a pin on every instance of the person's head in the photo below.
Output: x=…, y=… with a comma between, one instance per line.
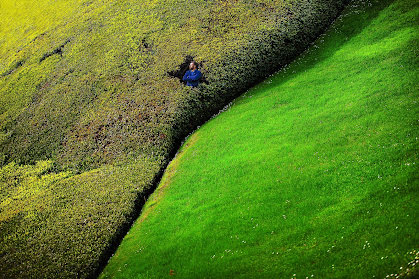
x=193, y=65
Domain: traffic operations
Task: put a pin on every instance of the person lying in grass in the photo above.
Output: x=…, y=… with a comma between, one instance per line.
x=193, y=75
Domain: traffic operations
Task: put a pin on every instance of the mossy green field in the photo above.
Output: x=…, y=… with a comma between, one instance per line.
x=312, y=173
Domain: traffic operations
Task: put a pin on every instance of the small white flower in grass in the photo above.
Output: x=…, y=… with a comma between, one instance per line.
x=367, y=244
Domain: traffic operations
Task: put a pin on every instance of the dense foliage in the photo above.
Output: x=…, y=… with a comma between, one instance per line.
x=86, y=99
x=96, y=89
x=312, y=173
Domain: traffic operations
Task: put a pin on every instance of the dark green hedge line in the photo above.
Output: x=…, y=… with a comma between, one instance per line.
x=106, y=111
x=264, y=54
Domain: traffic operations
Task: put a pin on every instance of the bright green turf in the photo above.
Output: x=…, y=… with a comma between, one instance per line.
x=312, y=173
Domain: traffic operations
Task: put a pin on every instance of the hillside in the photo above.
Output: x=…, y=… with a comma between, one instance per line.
x=312, y=173
x=91, y=109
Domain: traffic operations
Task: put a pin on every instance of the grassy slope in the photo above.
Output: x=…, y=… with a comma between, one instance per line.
x=310, y=173
x=88, y=114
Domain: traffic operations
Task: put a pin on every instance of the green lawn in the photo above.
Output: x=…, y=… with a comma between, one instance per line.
x=312, y=173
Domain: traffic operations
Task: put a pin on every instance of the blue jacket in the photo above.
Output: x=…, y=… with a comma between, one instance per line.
x=192, y=78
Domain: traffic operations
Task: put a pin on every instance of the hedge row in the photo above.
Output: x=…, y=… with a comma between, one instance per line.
x=94, y=96
x=57, y=225
x=263, y=54
x=107, y=96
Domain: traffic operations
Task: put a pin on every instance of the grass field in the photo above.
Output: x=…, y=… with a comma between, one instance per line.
x=310, y=174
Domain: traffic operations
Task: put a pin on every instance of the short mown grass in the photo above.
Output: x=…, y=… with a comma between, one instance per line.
x=312, y=173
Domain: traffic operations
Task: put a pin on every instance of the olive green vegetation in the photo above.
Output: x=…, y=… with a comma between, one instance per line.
x=312, y=173
x=89, y=114
x=94, y=89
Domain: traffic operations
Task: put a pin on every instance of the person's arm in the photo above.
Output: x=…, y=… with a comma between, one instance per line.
x=186, y=76
x=196, y=77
